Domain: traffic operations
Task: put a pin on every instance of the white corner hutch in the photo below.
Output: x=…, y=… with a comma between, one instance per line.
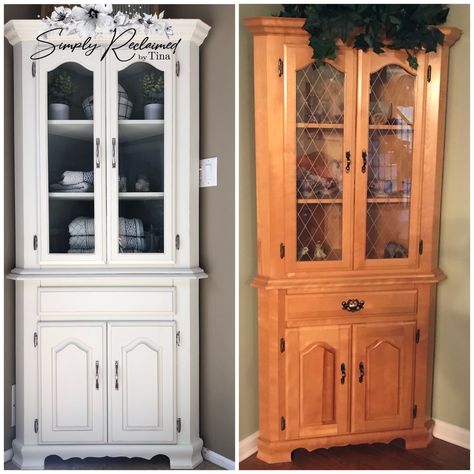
x=107, y=356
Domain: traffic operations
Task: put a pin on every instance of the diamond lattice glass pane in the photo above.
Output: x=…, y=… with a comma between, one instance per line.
x=319, y=95
x=319, y=162
x=390, y=161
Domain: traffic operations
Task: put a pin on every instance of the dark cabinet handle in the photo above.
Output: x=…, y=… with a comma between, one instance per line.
x=361, y=372
x=116, y=375
x=353, y=305
x=348, y=161
x=97, y=375
x=343, y=373
x=364, y=161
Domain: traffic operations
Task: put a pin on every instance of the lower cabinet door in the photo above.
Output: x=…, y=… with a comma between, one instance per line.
x=383, y=363
x=72, y=388
x=142, y=383
x=317, y=381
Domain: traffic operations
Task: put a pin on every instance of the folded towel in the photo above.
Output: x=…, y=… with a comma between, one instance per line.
x=72, y=188
x=131, y=227
x=76, y=177
x=80, y=251
x=131, y=243
x=81, y=242
x=82, y=226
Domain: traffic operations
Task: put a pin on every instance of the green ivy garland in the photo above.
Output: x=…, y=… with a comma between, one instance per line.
x=401, y=27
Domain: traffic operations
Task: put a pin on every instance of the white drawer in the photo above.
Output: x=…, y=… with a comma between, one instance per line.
x=151, y=301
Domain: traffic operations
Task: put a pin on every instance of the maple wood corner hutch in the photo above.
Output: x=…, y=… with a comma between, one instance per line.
x=107, y=251
x=349, y=159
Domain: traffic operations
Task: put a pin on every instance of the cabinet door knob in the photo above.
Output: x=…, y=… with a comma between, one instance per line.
x=364, y=161
x=348, y=161
x=97, y=375
x=353, y=305
x=361, y=372
x=343, y=373
x=114, y=160
x=116, y=375
x=97, y=152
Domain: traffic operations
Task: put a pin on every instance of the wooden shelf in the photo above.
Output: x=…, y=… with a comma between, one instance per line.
x=406, y=128
x=389, y=200
x=76, y=129
x=320, y=201
x=72, y=196
x=319, y=125
x=131, y=130
x=141, y=196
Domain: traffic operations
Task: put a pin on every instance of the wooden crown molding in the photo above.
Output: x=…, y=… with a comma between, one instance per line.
x=269, y=25
x=27, y=30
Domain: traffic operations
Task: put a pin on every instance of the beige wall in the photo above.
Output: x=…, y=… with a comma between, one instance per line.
x=28, y=12
x=451, y=374
x=217, y=392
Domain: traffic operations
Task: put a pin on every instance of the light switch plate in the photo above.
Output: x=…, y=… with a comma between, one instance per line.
x=208, y=172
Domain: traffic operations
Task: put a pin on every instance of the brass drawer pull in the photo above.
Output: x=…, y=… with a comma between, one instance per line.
x=361, y=372
x=353, y=305
x=343, y=373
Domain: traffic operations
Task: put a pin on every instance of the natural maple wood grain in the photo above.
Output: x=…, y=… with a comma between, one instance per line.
x=304, y=334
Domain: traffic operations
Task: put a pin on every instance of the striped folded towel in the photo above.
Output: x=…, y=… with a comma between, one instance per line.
x=76, y=177
x=131, y=243
x=81, y=242
x=82, y=226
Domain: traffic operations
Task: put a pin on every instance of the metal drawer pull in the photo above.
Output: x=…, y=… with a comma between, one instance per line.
x=361, y=372
x=97, y=152
x=353, y=305
x=97, y=375
x=348, y=161
x=116, y=375
x=364, y=161
x=114, y=161
x=343, y=373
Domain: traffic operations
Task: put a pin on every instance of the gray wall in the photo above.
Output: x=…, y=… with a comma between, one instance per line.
x=11, y=12
x=217, y=216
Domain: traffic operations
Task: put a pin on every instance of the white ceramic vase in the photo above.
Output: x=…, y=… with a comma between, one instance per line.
x=59, y=111
x=154, y=111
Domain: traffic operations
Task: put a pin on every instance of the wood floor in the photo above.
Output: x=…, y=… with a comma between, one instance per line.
x=438, y=455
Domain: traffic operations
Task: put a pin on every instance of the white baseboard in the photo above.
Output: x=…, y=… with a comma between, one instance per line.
x=451, y=433
x=248, y=446
x=218, y=459
x=8, y=455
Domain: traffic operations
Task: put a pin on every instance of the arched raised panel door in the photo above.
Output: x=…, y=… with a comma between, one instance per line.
x=73, y=378
x=317, y=381
x=383, y=361
x=319, y=153
x=141, y=159
x=142, y=383
x=71, y=163
x=389, y=160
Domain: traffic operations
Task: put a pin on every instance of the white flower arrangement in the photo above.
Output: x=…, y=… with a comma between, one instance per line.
x=91, y=20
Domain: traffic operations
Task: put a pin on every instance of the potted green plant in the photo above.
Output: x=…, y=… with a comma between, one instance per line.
x=60, y=92
x=153, y=86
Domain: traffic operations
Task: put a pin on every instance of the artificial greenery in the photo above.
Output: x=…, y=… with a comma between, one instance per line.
x=153, y=87
x=61, y=89
x=406, y=27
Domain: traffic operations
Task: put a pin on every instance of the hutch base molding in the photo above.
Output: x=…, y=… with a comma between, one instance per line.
x=181, y=456
x=349, y=160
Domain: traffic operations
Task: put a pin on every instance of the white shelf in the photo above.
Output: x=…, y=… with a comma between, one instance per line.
x=141, y=196
x=130, y=130
x=72, y=196
x=77, y=129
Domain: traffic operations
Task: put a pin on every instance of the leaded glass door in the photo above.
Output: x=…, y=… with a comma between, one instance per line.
x=319, y=149
x=388, y=163
x=71, y=135
x=140, y=111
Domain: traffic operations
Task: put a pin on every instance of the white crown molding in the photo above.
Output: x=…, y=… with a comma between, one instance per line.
x=17, y=31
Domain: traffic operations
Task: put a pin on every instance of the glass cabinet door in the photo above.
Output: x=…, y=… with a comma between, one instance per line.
x=70, y=122
x=320, y=117
x=389, y=161
x=140, y=188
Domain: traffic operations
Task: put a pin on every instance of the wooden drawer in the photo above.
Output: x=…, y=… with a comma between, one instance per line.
x=329, y=305
x=100, y=301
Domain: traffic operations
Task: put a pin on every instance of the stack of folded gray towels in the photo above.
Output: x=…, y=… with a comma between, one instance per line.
x=82, y=235
x=75, y=182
